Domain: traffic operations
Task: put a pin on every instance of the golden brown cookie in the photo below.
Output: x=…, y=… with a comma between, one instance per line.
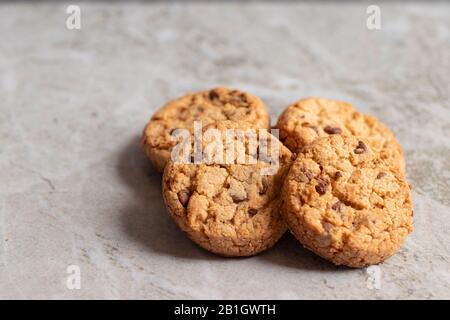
x=308, y=119
x=344, y=203
x=231, y=209
x=207, y=106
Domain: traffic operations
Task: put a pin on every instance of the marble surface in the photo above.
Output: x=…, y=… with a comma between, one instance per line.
x=76, y=189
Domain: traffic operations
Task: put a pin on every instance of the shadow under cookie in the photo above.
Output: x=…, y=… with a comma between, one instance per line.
x=289, y=253
x=144, y=219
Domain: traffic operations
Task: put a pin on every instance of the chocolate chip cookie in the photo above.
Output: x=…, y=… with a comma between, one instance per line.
x=344, y=203
x=308, y=119
x=230, y=208
x=207, y=106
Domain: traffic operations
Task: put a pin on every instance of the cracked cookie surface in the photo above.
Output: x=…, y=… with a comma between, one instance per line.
x=206, y=106
x=230, y=209
x=311, y=118
x=341, y=201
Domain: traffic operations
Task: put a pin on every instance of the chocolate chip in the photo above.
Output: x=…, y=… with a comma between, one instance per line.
x=321, y=186
x=337, y=206
x=315, y=129
x=238, y=197
x=309, y=175
x=252, y=212
x=264, y=186
x=338, y=175
x=293, y=156
x=184, y=196
x=321, y=189
x=360, y=148
x=239, y=99
x=332, y=130
x=381, y=175
x=213, y=94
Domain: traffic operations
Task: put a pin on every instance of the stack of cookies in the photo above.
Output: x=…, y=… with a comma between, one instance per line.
x=338, y=182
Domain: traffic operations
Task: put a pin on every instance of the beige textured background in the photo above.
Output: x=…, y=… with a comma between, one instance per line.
x=75, y=188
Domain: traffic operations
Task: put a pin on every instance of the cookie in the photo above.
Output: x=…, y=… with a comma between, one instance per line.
x=343, y=202
x=207, y=106
x=311, y=118
x=230, y=208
